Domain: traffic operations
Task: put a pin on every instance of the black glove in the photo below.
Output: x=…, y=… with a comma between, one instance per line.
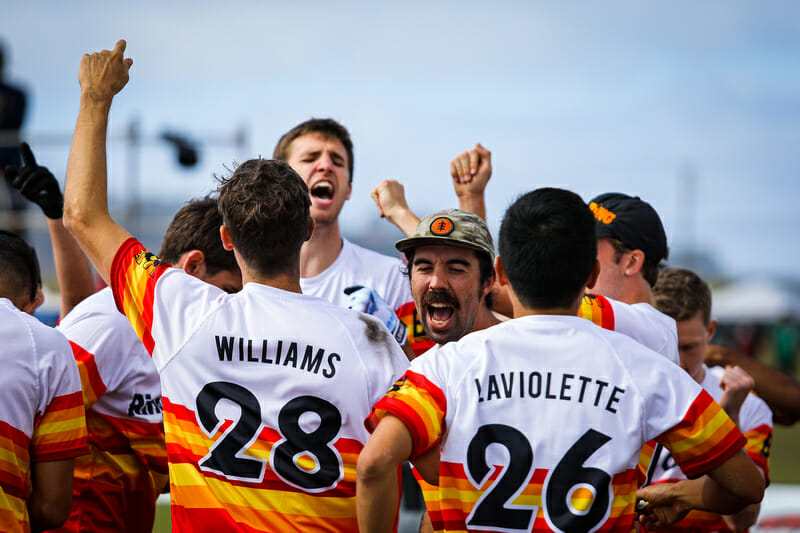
x=37, y=184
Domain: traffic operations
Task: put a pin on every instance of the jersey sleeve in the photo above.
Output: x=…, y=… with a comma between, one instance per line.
x=59, y=431
x=134, y=273
x=755, y=420
x=419, y=402
x=598, y=309
x=163, y=304
x=705, y=438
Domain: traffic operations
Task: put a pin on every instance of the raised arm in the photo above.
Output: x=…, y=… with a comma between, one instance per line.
x=471, y=171
x=389, y=197
x=74, y=272
x=86, y=215
x=780, y=391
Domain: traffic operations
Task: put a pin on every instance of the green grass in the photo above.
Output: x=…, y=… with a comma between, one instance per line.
x=784, y=466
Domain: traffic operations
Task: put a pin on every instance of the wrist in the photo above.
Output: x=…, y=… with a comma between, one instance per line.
x=93, y=103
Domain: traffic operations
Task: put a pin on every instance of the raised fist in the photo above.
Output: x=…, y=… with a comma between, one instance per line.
x=37, y=184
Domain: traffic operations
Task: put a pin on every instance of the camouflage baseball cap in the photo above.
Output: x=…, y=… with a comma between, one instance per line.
x=451, y=226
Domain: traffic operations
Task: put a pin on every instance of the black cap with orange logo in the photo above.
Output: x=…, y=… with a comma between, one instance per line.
x=632, y=221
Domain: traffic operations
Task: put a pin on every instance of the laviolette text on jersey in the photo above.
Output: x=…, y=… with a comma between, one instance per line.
x=545, y=385
x=278, y=352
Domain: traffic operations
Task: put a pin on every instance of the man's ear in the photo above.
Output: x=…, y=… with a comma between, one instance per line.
x=593, y=275
x=34, y=304
x=635, y=262
x=712, y=328
x=193, y=263
x=500, y=271
x=227, y=243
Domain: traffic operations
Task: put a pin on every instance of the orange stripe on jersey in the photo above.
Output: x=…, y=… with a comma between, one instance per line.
x=420, y=404
x=202, y=495
x=13, y=514
x=705, y=438
x=759, y=442
x=420, y=342
x=645, y=458
x=60, y=433
x=598, y=309
x=91, y=382
x=134, y=273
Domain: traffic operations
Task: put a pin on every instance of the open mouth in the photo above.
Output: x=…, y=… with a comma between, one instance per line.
x=440, y=308
x=322, y=190
x=439, y=314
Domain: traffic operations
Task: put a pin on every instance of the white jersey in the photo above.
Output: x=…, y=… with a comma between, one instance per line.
x=642, y=322
x=264, y=394
x=360, y=266
x=41, y=412
x=562, y=409
x=755, y=421
x=122, y=396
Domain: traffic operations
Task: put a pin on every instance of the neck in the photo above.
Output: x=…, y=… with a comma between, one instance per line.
x=522, y=310
x=637, y=291
x=484, y=319
x=286, y=282
x=321, y=250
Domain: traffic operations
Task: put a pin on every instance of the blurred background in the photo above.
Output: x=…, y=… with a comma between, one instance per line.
x=695, y=108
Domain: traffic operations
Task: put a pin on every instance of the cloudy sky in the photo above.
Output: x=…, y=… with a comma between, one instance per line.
x=696, y=108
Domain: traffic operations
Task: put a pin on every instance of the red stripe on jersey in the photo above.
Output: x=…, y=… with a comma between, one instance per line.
x=91, y=382
x=14, y=485
x=17, y=437
x=134, y=273
x=66, y=401
x=598, y=309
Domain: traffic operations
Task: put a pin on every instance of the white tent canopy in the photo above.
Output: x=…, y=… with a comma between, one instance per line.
x=754, y=300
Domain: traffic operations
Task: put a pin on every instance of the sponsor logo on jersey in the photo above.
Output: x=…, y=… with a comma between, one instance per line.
x=144, y=404
x=148, y=261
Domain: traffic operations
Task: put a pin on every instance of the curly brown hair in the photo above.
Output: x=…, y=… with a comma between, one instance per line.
x=680, y=293
x=265, y=206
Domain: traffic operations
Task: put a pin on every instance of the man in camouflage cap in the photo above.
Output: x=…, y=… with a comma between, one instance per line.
x=451, y=270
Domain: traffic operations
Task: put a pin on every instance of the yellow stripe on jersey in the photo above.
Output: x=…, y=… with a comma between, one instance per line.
x=704, y=439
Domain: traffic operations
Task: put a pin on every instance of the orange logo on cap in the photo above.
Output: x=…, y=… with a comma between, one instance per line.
x=442, y=226
x=601, y=213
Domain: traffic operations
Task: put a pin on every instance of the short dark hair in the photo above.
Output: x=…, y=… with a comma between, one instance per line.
x=548, y=247
x=485, y=270
x=327, y=127
x=19, y=268
x=680, y=293
x=265, y=206
x=650, y=267
x=196, y=227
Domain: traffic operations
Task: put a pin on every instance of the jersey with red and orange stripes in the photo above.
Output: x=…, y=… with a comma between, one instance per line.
x=755, y=421
x=541, y=420
x=264, y=395
x=41, y=412
x=117, y=484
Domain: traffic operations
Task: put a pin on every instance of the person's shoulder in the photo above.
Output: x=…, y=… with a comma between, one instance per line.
x=98, y=306
x=43, y=337
x=365, y=254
